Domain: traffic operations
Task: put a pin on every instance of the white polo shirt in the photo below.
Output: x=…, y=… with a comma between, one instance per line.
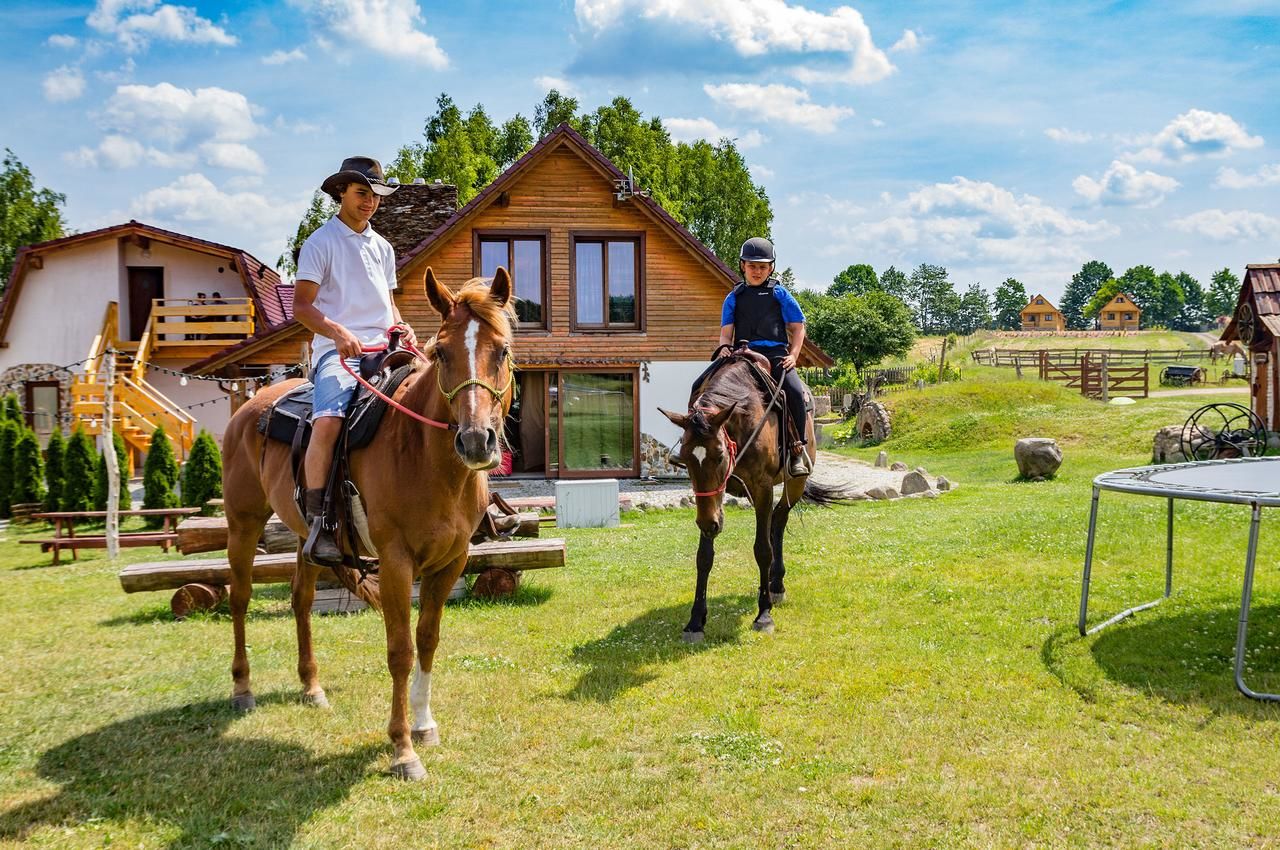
x=356, y=273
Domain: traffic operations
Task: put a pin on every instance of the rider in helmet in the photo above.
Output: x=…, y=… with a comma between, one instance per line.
x=760, y=312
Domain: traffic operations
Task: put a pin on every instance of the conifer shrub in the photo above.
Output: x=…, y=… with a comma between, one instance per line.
x=125, y=501
x=77, y=469
x=53, y=477
x=159, y=475
x=12, y=409
x=28, y=474
x=9, y=431
x=202, y=474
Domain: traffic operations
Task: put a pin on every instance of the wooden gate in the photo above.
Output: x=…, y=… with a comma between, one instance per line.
x=1095, y=377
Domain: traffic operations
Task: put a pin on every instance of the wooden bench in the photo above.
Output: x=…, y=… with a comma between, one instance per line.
x=99, y=541
x=65, y=521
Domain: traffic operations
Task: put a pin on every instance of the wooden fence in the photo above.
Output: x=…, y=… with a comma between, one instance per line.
x=1098, y=377
x=1012, y=357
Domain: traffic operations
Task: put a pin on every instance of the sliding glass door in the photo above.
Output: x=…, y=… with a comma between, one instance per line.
x=592, y=424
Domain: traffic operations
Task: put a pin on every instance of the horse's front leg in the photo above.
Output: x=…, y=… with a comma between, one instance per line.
x=304, y=593
x=433, y=594
x=242, y=544
x=763, y=499
x=694, y=632
x=395, y=584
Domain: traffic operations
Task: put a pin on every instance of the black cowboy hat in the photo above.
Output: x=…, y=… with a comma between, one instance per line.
x=358, y=169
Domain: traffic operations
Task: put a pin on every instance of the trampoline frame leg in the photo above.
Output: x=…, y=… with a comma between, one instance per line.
x=1088, y=570
x=1246, y=600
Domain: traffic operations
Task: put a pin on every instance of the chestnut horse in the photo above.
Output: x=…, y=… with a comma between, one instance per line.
x=720, y=452
x=425, y=489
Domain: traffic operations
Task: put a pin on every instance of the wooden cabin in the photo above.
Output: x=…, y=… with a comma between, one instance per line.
x=1041, y=315
x=618, y=306
x=1255, y=323
x=1120, y=313
x=161, y=300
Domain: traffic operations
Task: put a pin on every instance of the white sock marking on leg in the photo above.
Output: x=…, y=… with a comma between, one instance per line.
x=420, y=699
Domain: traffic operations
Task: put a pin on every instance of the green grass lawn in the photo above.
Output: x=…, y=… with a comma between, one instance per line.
x=925, y=686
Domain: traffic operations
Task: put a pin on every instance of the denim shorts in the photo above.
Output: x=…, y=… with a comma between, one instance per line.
x=334, y=385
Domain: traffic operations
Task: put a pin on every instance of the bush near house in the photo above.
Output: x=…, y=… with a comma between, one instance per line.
x=9, y=432
x=77, y=468
x=28, y=477
x=125, y=501
x=53, y=474
x=159, y=475
x=202, y=474
x=13, y=409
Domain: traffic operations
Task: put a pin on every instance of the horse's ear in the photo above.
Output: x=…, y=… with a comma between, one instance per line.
x=679, y=420
x=721, y=416
x=439, y=295
x=500, y=289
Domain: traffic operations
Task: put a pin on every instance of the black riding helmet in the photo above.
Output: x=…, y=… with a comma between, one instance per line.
x=757, y=249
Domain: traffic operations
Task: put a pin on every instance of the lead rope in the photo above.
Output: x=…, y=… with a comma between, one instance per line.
x=446, y=426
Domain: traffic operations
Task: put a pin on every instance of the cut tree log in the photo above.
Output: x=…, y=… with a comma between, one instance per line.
x=196, y=597
x=278, y=568
x=209, y=534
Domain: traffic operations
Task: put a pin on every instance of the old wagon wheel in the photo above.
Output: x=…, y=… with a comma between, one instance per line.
x=1223, y=430
x=873, y=423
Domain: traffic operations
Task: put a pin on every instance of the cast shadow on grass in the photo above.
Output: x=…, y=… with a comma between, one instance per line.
x=179, y=767
x=1185, y=658
x=526, y=596
x=625, y=658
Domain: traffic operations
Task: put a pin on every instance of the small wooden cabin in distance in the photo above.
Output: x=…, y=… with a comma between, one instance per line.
x=1041, y=315
x=1120, y=313
x=1255, y=323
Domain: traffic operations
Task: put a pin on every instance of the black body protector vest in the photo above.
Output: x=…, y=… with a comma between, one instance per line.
x=757, y=315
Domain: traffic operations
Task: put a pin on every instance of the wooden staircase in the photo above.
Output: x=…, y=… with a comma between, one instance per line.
x=137, y=407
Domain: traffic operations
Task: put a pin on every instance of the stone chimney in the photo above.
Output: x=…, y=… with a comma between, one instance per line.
x=413, y=213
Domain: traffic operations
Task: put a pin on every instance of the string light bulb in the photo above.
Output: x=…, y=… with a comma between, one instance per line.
x=182, y=381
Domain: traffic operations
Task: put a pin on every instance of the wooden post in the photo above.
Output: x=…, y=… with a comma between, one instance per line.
x=109, y=454
x=942, y=362
x=1106, y=383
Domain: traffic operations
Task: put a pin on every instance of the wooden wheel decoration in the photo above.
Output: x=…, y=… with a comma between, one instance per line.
x=1223, y=430
x=1246, y=326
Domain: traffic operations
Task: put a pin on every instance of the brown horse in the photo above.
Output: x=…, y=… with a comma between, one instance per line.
x=721, y=454
x=425, y=490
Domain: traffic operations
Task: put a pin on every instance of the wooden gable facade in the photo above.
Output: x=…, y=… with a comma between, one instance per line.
x=1120, y=313
x=620, y=307
x=1041, y=315
x=1256, y=325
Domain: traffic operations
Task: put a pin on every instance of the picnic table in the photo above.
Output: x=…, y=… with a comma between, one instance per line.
x=64, y=530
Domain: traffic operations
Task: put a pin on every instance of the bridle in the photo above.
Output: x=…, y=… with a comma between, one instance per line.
x=732, y=447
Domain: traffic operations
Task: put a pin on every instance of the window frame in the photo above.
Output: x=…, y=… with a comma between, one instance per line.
x=510, y=235
x=638, y=238
x=29, y=406
x=558, y=424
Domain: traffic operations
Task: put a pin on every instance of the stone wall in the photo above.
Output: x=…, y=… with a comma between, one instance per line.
x=653, y=460
x=13, y=378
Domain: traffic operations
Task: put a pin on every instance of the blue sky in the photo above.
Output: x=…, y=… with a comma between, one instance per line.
x=998, y=139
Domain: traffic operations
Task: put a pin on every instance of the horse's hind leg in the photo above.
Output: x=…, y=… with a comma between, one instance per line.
x=304, y=593
x=763, y=549
x=431, y=599
x=243, y=532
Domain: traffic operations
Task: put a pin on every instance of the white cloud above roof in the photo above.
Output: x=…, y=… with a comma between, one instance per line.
x=785, y=104
x=756, y=28
x=63, y=84
x=1193, y=134
x=389, y=27
x=136, y=23
x=1123, y=185
x=691, y=129
x=1233, y=226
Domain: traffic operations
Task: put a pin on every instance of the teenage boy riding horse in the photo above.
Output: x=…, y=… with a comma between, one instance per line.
x=346, y=273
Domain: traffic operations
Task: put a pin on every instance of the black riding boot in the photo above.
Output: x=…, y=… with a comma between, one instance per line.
x=799, y=465
x=321, y=548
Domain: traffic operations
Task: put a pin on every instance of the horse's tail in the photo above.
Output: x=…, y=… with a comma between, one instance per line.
x=361, y=585
x=826, y=495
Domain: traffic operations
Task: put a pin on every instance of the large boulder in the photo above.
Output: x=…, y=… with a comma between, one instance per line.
x=1167, y=446
x=914, y=482
x=1038, y=457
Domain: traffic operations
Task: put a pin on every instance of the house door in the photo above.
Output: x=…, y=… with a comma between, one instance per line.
x=594, y=424
x=145, y=283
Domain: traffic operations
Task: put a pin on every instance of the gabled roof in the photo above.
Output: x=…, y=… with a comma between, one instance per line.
x=1128, y=300
x=1038, y=308
x=1262, y=283
x=565, y=136
x=273, y=300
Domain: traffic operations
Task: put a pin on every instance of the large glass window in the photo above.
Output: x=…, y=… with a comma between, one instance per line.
x=597, y=411
x=43, y=408
x=524, y=257
x=606, y=283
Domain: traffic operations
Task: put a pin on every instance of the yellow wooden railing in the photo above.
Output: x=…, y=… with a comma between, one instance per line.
x=180, y=323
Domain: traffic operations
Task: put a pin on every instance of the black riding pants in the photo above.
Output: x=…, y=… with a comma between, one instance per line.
x=791, y=386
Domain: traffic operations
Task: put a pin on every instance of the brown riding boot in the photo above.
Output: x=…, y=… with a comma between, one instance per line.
x=799, y=466
x=321, y=548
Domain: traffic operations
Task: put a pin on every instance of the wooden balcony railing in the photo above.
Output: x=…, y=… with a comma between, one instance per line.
x=183, y=323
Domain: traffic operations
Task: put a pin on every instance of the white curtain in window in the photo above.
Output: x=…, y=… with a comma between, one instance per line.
x=589, y=274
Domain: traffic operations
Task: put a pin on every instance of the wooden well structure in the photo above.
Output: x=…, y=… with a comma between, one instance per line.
x=1256, y=325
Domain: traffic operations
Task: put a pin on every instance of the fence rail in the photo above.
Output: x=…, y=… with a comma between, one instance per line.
x=1098, y=377
x=1011, y=357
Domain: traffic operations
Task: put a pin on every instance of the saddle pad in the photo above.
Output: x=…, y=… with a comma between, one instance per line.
x=293, y=410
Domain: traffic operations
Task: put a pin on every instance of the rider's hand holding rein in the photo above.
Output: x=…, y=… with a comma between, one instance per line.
x=347, y=343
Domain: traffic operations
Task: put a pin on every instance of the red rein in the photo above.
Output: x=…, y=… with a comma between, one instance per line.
x=397, y=405
x=732, y=448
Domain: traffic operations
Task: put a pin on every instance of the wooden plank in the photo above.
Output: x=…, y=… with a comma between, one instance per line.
x=268, y=569
x=209, y=534
x=100, y=541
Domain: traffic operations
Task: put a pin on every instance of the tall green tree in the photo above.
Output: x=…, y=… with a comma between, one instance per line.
x=1141, y=283
x=1009, y=299
x=857, y=279
x=53, y=474
x=896, y=283
x=13, y=409
x=1166, y=301
x=1109, y=289
x=321, y=210
x=555, y=109
x=1083, y=285
x=974, y=311
x=933, y=299
x=159, y=473
x=1223, y=293
x=202, y=473
x=28, y=473
x=125, y=500
x=27, y=214
x=77, y=469
x=1193, y=315
x=860, y=329
x=9, y=433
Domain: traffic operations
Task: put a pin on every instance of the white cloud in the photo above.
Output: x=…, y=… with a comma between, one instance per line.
x=389, y=27
x=876, y=122
x=121, y=75
x=135, y=23
x=1267, y=175
x=232, y=155
x=281, y=57
x=787, y=105
x=116, y=151
x=1236, y=226
x=754, y=28
x=1069, y=137
x=1193, y=134
x=909, y=43
x=64, y=41
x=691, y=129
x=760, y=172
x=546, y=83
x=65, y=83
x=1123, y=185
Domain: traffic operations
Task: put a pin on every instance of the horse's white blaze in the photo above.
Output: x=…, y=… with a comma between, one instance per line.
x=473, y=332
x=420, y=699
x=699, y=453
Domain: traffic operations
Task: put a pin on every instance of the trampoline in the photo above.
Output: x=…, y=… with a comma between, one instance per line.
x=1242, y=481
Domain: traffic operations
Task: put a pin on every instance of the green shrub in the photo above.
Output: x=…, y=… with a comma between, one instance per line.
x=77, y=472
x=28, y=474
x=9, y=432
x=53, y=475
x=928, y=372
x=159, y=475
x=125, y=501
x=202, y=473
x=13, y=410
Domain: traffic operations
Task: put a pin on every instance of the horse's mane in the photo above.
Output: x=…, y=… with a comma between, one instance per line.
x=475, y=294
x=731, y=383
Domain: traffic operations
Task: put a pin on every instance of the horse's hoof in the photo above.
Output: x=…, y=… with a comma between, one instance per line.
x=410, y=771
x=243, y=703
x=693, y=637
x=316, y=700
x=777, y=598
x=763, y=626
x=429, y=737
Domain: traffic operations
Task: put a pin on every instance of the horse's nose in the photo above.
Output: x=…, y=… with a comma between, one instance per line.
x=478, y=447
x=710, y=526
